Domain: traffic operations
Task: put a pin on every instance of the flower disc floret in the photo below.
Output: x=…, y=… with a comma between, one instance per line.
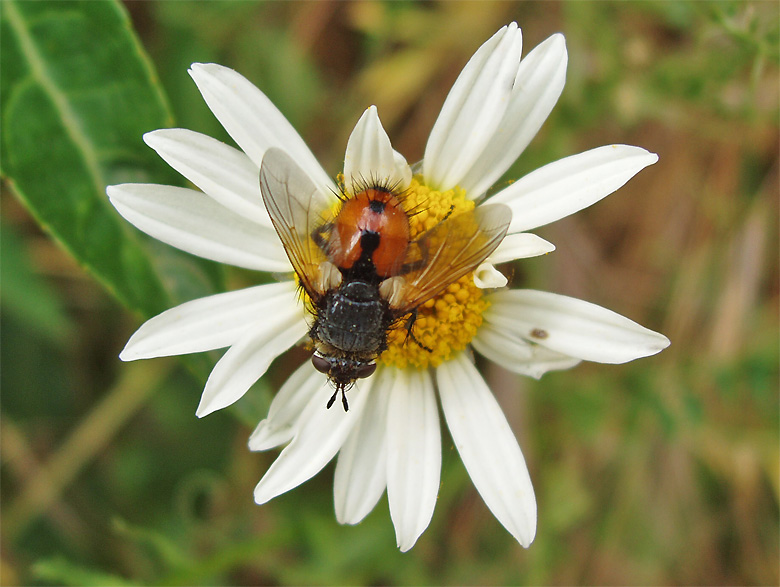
x=447, y=322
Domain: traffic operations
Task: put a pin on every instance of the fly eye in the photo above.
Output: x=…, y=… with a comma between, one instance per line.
x=365, y=371
x=321, y=364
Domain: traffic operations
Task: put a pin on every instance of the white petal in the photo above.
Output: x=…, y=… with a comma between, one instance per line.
x=401, y=170
x=413, y=455
x=370, y=157
x=208, y=323
x=504, y=343
x=252, y=120
x=573, y=327
x=503, y=347
x=321, y=433
x=193, y=222
x=361, y=469
x=520, y=246
x=248, y=359
x=488, y=277
x=222, y=172
x=473, y=110
x=488, y=447
x=571, y=184
x=286, y=408
x=538, y=85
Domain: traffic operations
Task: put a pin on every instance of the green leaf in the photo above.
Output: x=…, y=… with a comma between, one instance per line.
x=60, y=571
x=26, y=295
x=170, y=553
x=77, y=93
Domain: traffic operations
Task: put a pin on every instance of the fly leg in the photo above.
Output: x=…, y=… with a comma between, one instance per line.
x=409, y=334
x=319, y=239
x=447, y=215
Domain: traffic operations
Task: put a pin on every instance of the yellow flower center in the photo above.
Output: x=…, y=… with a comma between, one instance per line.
x=447, y=322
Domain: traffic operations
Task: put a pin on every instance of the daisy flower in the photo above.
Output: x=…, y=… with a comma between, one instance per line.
x=390, y=439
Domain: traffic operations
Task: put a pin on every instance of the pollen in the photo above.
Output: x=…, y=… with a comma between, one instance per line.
x=446, y=323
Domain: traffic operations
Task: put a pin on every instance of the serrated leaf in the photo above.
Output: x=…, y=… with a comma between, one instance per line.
x=77, y=95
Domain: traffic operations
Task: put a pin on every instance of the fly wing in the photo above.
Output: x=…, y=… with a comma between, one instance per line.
x=449, y=251
x=296, y=206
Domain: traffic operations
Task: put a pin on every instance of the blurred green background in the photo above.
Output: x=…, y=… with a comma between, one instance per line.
x=661, y=471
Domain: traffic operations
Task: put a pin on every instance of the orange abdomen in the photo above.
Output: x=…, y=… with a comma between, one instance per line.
x=373, y=210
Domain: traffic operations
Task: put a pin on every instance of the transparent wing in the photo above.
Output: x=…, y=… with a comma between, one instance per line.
x=449, y=251
x=296, y=206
